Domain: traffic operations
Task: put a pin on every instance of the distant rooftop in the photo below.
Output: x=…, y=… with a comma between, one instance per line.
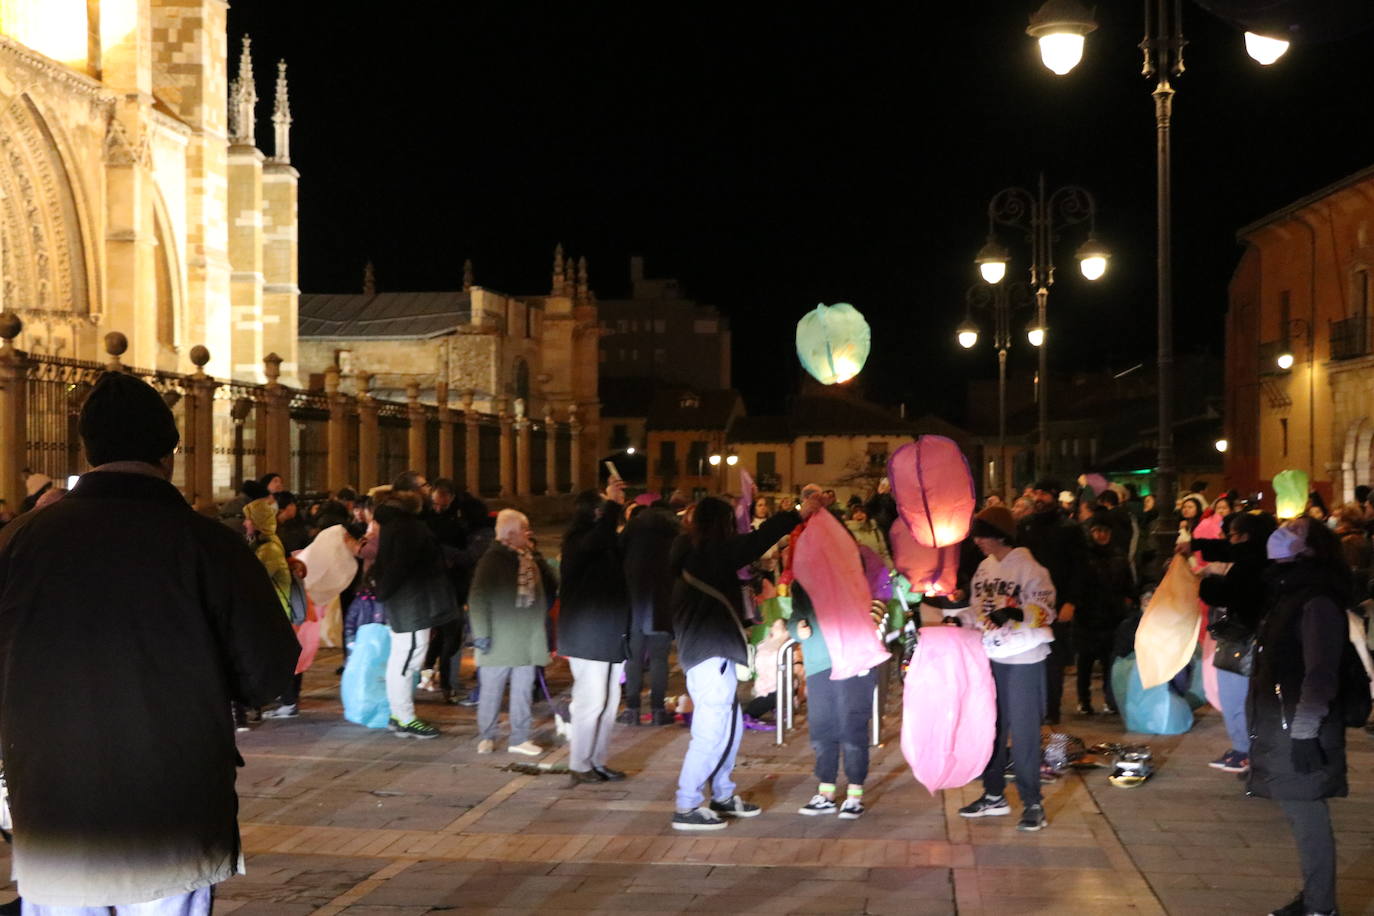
x=400, y=316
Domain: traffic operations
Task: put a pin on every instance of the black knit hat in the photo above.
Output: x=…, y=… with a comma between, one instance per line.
x=125, y=419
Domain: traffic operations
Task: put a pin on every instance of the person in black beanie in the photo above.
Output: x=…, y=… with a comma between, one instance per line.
x=167, y=604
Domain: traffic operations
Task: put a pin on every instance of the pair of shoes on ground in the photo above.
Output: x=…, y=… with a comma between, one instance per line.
x=597, y=774
x=1233, y=761
x=415, y=728
x=1032, y=818
x=850, y=810
x=1296, y=907
x=527, y=748
x=712, y=816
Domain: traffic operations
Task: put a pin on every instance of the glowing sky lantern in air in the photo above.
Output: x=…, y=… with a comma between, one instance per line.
x=1290, y=493
x=934, y=490
x=833, y=342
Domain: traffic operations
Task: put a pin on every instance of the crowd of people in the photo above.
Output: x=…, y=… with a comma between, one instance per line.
x=1057, y=580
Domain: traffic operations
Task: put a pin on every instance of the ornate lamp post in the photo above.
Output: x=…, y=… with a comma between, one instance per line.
x=1000, y=299
x=1041, y=216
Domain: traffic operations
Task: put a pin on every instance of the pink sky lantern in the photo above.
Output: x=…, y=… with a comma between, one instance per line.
x=949, y=708
x=828, y=567
x=930, y=570
x=934, y=490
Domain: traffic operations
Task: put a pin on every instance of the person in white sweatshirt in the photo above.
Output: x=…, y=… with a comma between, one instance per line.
x=1012, y=601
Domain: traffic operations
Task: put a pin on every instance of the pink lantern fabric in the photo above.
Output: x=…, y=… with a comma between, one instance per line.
x=930, y=570
x=308, y=635
x=828, y=566
x=1209, y=528
x=934, y=490
x=744, y=516
x=949, y=708
x=1096, y=482
x=1210, y=689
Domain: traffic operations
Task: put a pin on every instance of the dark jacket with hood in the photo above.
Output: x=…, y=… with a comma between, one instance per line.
x=1106, y=599
x=1294, y=693
x=412, y=582
x=594, y=606
x=648, y=544
x=704, y=627
x=122, y=780
x=1058, y=545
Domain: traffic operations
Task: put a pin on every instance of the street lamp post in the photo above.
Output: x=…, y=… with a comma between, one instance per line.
x=1041, y=217
x=1001, y=299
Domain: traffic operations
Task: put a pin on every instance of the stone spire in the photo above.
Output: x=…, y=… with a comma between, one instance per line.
x=582, y=287
x=244, y=101
x=369, y=279
x=281, y=118
x=557, y=288
x=467, y=275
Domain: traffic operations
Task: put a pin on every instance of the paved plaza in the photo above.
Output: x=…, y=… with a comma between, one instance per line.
x=341, y=819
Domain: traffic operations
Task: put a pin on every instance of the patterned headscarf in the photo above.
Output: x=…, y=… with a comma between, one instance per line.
x=510, y=531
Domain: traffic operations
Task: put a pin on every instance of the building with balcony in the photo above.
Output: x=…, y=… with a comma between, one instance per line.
x=1299, y=366
x=685, y=428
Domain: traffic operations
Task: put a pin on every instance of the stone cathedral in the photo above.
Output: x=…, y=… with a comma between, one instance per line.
x=133, y=193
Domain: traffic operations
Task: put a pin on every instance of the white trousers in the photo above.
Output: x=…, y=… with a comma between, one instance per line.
x=595, y=699
x=406, y=659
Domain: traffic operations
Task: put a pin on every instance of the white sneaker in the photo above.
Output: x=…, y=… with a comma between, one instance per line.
x=486, y=746
x=429, y=680
x=528, y=748
x=852, y=809
x=818, y=804
x=284, y=711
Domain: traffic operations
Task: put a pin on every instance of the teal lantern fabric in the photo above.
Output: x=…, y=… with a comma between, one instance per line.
x=833, y=342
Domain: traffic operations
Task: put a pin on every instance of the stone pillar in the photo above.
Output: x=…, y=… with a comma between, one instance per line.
x=14, y=370
x=522, y=450
x=445, y=468
x=277, y=432
x=336, y=462
x=200, y=423
x=550, y=453
x=416, y=415
x=369, y=439
x=472, y=447
x=507, y=454
x=574, y=450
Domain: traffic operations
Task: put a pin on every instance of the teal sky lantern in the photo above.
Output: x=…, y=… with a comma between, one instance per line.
x=833, y=342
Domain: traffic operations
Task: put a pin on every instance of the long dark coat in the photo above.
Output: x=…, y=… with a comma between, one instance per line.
x=647, y=542
x=593, y=602
x=127, y=624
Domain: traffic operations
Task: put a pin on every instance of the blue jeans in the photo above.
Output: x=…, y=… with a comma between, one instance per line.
x=1232, y=688
x=837, y=716
x=717, y=726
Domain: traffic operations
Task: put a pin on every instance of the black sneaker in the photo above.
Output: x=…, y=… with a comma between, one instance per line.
x=818, y=804
x=697, y=819
x=735, y=807
x=1294, y=907
x=1085, y=709
x=628, y=716
x=987, y=806
x=663, y=717
x=852, y=809
x=1032, y=819
x=415, y=728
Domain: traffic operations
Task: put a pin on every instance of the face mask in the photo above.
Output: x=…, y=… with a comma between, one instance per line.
x=1285, y=544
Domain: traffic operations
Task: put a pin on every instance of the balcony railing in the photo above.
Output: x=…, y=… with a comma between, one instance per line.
x=1350, y=338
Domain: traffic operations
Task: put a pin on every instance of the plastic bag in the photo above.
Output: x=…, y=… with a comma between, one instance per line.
x=828, y=567
x=949, y=708
x=363, y=688
x=1148, y=711
x=1168, y=632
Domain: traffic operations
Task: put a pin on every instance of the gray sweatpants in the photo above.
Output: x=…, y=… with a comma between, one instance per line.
x=492, y=679
x=1311, y=822
x=1020, y=706
x=595, y=699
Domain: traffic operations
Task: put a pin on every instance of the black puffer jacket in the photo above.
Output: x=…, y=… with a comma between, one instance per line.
x=1058, y=545
x=412, y=581
x=1295, y=689
x=594, y=606
x=1242, y=590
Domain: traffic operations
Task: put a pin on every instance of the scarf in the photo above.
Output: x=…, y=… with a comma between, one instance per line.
x=527, y=578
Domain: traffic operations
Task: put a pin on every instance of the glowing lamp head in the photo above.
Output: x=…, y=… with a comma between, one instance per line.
x=630, y=450
x=1060, y=26
x=732, y=460
x=714, y=459
x=1092, y=259
x=1263, y=49
x=1035, y=334
x=1285, y=361
x=1222, y=445
x=992, y=262
x=967, y=334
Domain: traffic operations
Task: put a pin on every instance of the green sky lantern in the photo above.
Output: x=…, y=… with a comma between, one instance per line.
x=833, y=342
x=1290, y=493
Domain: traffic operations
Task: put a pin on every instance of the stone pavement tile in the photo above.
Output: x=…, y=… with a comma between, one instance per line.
x=763, y=903
x=255, y=908
x=1055, y=904
x=1042, y=856
x=659, y=873
x=365, y=910
x=1224, y=901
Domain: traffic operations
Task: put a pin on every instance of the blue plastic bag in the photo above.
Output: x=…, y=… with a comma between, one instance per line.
x=363, y=688
x=1157, y=711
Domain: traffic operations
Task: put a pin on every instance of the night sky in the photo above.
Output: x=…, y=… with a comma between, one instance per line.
x=774, y=157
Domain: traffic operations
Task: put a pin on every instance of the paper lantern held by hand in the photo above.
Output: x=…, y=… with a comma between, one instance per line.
x=833, y=342
x=1290, y=493
x=930, y=570
x=934, y=490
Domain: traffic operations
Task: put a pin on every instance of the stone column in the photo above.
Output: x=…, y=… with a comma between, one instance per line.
x=277, y=441
x=369, y=438
x=550, y=453
x=14, y=370
x=445, y=468
x=472, y=447
x=417, y=418
x=507, y=454
x=574, y=449
x=522, y=451
x=336, y=462
x=200, y=423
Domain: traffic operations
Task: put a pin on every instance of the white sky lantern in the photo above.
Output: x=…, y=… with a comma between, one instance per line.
x=833, y=342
